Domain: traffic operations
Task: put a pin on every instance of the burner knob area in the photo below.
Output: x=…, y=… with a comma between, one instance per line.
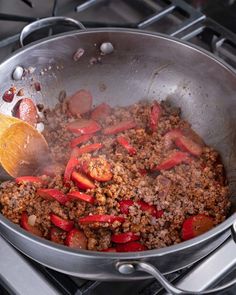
x=125, y=268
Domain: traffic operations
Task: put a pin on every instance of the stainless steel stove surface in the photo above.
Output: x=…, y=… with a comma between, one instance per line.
x=186, y=20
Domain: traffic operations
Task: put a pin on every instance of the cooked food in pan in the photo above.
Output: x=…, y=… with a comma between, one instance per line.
x=121, y=179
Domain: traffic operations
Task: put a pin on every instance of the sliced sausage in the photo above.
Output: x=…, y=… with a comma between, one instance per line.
x=80, y=102
x=26, y=110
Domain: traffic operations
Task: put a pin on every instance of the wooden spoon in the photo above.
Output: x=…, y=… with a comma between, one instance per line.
x=22, y=148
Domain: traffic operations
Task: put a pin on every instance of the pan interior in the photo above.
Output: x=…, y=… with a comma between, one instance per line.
x=142, y=66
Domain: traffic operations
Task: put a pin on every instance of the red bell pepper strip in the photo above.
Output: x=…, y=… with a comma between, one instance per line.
x=29, y=179
x=173, y=160
x=76, y=239
x=80, y=102
x=52, y=194
x=76, y=152
x=124, y=237
x=84, y=167
x=83, y=126
x=155, y=116
x=101, y=218
x=124, y=142
x=101, y=112
x=119, y=127
x=32, y=229
x=151, y=209
x=196, y=225
x=130, y=247
x=124, y=206
x=78, y=140
x=64, y=224
x=71, y=165
x=82, y=181
x=76, y=195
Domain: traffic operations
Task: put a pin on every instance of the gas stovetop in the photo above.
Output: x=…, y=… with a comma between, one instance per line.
x=204, y=23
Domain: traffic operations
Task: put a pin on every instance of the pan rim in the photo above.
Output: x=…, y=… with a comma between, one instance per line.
x=73, y=33
x=219, y=229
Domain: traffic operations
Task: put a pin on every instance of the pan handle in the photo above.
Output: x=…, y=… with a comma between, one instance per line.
x=48, y=22
x=125, y=268
x=214, y=266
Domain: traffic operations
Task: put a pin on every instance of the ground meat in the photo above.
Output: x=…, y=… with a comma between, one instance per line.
x=187, y=189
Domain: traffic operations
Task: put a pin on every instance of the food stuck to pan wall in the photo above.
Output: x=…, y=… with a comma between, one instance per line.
x=122, y=179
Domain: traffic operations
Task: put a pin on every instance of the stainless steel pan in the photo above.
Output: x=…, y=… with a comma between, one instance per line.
x=142, y=65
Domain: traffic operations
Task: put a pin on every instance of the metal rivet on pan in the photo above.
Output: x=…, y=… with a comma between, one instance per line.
x=106, y=48
x=127, y=268
x=17, y=73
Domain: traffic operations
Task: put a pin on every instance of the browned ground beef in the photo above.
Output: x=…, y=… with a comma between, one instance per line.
x=188, y=189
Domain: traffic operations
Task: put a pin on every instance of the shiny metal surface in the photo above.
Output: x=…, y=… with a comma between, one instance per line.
x=197, y=281
x=147, y=267
x=106, y=48
x=17, y=73
x=211, y=269
x=126, y=268
x=143, y=65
